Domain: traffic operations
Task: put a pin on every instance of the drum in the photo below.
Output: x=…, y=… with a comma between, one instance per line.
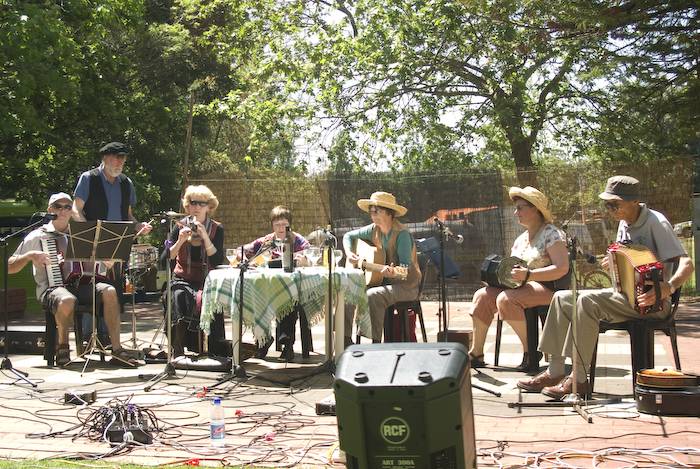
x=143, y=256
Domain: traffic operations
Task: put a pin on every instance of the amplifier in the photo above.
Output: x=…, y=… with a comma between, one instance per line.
x=405, y=405
x=24, y=339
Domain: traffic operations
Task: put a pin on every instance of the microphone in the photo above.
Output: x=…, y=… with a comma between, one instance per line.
x=459, y=239
x=326, y=236
x=46, y=216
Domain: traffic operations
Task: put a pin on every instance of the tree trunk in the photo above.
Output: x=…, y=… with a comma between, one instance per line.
x=521, y=149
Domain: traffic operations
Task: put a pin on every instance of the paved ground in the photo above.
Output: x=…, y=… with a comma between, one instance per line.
x=271, y=420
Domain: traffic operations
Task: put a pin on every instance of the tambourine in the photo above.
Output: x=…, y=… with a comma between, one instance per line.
x=495, y=271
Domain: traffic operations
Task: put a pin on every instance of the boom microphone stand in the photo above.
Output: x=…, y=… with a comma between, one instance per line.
x=6, y=363
x=237, y=370
x=572, y=400
x=445, y=234
x=169, y=370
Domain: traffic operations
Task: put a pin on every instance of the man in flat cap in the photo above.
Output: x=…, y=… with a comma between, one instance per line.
x=639, y=225
x=105, y=193
x=387, y=235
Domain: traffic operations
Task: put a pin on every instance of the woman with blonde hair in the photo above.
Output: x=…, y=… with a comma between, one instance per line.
x=543, y=248
x=194, y=247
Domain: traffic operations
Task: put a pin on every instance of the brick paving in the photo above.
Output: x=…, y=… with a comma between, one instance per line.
x=277, y=425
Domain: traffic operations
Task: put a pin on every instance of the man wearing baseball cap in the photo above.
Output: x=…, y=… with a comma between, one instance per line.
x=640, y=225
x=61, y=300
x=387, y=235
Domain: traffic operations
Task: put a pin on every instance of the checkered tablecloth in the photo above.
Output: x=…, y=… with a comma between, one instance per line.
x=270, y=294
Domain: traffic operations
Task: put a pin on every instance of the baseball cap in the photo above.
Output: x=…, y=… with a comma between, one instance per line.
x=59, y=196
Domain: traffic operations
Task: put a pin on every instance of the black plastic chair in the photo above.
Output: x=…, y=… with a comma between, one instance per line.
x=641, y=332
x=533, y=334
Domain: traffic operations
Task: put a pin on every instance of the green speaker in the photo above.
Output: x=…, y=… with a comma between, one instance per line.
x=405, y=405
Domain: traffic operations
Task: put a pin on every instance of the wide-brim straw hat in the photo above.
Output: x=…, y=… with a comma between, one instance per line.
x=382, y=199
x=535, y=197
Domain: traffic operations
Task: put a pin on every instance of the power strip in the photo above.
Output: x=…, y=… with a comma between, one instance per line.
x=80, y=397
x=140, y=434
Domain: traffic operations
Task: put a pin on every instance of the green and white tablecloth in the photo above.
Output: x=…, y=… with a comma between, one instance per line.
x=270, y=294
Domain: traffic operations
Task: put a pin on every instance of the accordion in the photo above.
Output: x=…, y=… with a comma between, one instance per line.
x=635, y=270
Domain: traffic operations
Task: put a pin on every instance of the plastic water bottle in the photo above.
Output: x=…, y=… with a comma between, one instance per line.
x=216, y=427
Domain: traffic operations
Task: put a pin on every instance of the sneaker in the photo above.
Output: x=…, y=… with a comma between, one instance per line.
x=539, y=382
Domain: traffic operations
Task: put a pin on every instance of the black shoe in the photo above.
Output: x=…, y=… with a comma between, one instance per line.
x=288, y=353
x=524, y=365
x=477, y=361
x=262, y=350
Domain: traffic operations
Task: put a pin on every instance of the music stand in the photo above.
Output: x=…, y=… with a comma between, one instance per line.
x=446, y=267
x=98, y=241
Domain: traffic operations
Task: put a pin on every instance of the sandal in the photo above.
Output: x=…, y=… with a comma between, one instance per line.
x=62, y=355
x=122, y=357
x=477, y=361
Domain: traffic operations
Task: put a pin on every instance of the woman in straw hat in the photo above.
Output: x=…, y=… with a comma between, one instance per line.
x=543, y=247
x=387, y=234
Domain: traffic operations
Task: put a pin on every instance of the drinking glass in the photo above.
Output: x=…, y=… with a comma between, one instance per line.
x=231, y=256
x=266, y=256
x=338, y=257
x=313, y=254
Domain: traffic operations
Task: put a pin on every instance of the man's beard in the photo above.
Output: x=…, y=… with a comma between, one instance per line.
x=113, y=172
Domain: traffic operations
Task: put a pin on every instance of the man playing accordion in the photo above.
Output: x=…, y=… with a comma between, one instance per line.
x=641, y=226
x=61, y=299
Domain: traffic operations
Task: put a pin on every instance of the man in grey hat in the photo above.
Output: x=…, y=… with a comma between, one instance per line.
x=61, y=300
x=638, y=224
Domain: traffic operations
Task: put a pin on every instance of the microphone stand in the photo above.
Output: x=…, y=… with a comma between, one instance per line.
x=572, y=400
x=237, y=370
x=442, y=289
x=445, y=233
x=6, y=363
x=169, y=370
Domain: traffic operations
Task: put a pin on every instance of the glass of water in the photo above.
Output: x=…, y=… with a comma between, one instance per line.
x=338, y=257
x=313, y=254
x=231, y=256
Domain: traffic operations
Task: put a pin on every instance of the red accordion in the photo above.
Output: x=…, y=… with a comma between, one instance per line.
x=635, y=270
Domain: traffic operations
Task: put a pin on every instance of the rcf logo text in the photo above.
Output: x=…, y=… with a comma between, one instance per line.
x=394, y=430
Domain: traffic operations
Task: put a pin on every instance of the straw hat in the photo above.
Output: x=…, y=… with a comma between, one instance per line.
x=382, y=199
x=535, y=197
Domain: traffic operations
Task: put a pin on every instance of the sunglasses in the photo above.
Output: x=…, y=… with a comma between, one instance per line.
x=521, y=207
x=374, y=209
x=62, y=206
x=612, y=206
x=200, y=203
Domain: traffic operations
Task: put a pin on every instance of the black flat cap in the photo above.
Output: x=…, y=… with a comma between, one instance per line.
x=114, y=148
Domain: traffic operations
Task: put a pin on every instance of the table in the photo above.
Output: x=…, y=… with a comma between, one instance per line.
x=270, y=294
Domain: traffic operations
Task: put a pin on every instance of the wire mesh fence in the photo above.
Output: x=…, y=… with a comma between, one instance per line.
x=472, y=204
